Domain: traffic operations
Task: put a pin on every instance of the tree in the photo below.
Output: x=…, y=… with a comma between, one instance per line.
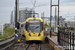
x=46, y=25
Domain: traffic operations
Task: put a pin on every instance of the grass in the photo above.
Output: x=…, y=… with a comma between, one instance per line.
x=7, y=32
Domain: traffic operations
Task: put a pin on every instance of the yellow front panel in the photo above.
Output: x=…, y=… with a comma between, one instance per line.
x=34, y=36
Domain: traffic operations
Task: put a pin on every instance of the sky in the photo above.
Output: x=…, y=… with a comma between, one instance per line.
x=67, y=8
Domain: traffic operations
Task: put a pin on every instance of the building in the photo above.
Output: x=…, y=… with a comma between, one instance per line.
x=11, y=20
x=47, y=20
x=24, y=13
x=68, y=23
x=2, y=26
x=74, y=17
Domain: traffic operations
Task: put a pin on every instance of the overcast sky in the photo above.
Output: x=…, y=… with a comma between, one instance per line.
x=67, y=8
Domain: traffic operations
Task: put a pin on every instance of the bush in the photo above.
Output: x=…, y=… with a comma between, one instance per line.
x=68, y=28
x=46, y=25
x=72, y=28
x=7, y=32
x=0, y=35
x=5, y=27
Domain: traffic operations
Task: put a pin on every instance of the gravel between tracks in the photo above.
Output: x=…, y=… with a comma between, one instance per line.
x=34, y=45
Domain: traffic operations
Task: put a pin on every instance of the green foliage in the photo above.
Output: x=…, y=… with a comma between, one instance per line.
x=46, y=25
x=68, y=28
x=72, y=28
x=0, y=35
x=5, y=27
x=7, y=32
x=63, y=28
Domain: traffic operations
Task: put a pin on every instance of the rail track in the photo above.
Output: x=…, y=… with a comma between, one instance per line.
x=33, y=47
x=25, y=46
x=30, y=46
x=7, y=43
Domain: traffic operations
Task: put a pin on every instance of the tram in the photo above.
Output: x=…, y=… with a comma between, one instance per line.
x=34, y=29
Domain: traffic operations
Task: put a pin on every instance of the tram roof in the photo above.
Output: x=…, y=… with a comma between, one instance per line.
x=33, y=19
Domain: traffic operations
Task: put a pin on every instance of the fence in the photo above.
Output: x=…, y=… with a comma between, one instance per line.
x=7, y=43
x=66, y=39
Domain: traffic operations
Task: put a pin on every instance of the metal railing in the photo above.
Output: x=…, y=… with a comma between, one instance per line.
x=7, y=43
x=66, y=39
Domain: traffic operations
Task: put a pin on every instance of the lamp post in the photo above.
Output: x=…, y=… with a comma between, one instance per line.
x=15, y=16
x=58, y=22
x=15, y=13
x=50, y=17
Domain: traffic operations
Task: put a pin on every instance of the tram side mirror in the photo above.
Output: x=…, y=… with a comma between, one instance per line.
x=26, y=26
x=22, y=25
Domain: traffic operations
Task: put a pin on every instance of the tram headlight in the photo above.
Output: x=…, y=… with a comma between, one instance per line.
x=39, y=34
x=29, y=34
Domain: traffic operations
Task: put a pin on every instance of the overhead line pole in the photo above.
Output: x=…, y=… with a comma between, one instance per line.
x=43, y=20
x=58, y=22
x=15, y=14
x=55, y=20
x=50, y=17
x=43, y=16
x=58, y=19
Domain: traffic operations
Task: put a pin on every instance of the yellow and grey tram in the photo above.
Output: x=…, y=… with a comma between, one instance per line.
x=34, y=29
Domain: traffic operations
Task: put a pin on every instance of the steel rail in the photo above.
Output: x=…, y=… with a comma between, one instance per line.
x=39, y=47
x=7, y=43
x=27, y=47
x=33, y=45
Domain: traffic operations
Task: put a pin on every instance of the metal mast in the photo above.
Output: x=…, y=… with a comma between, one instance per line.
x=15, y=13
x=51, y=16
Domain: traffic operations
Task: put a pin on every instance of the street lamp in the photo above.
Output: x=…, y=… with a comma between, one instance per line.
x=50, y=17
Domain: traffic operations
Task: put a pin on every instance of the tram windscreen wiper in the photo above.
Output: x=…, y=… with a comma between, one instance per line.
x=36, y=27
